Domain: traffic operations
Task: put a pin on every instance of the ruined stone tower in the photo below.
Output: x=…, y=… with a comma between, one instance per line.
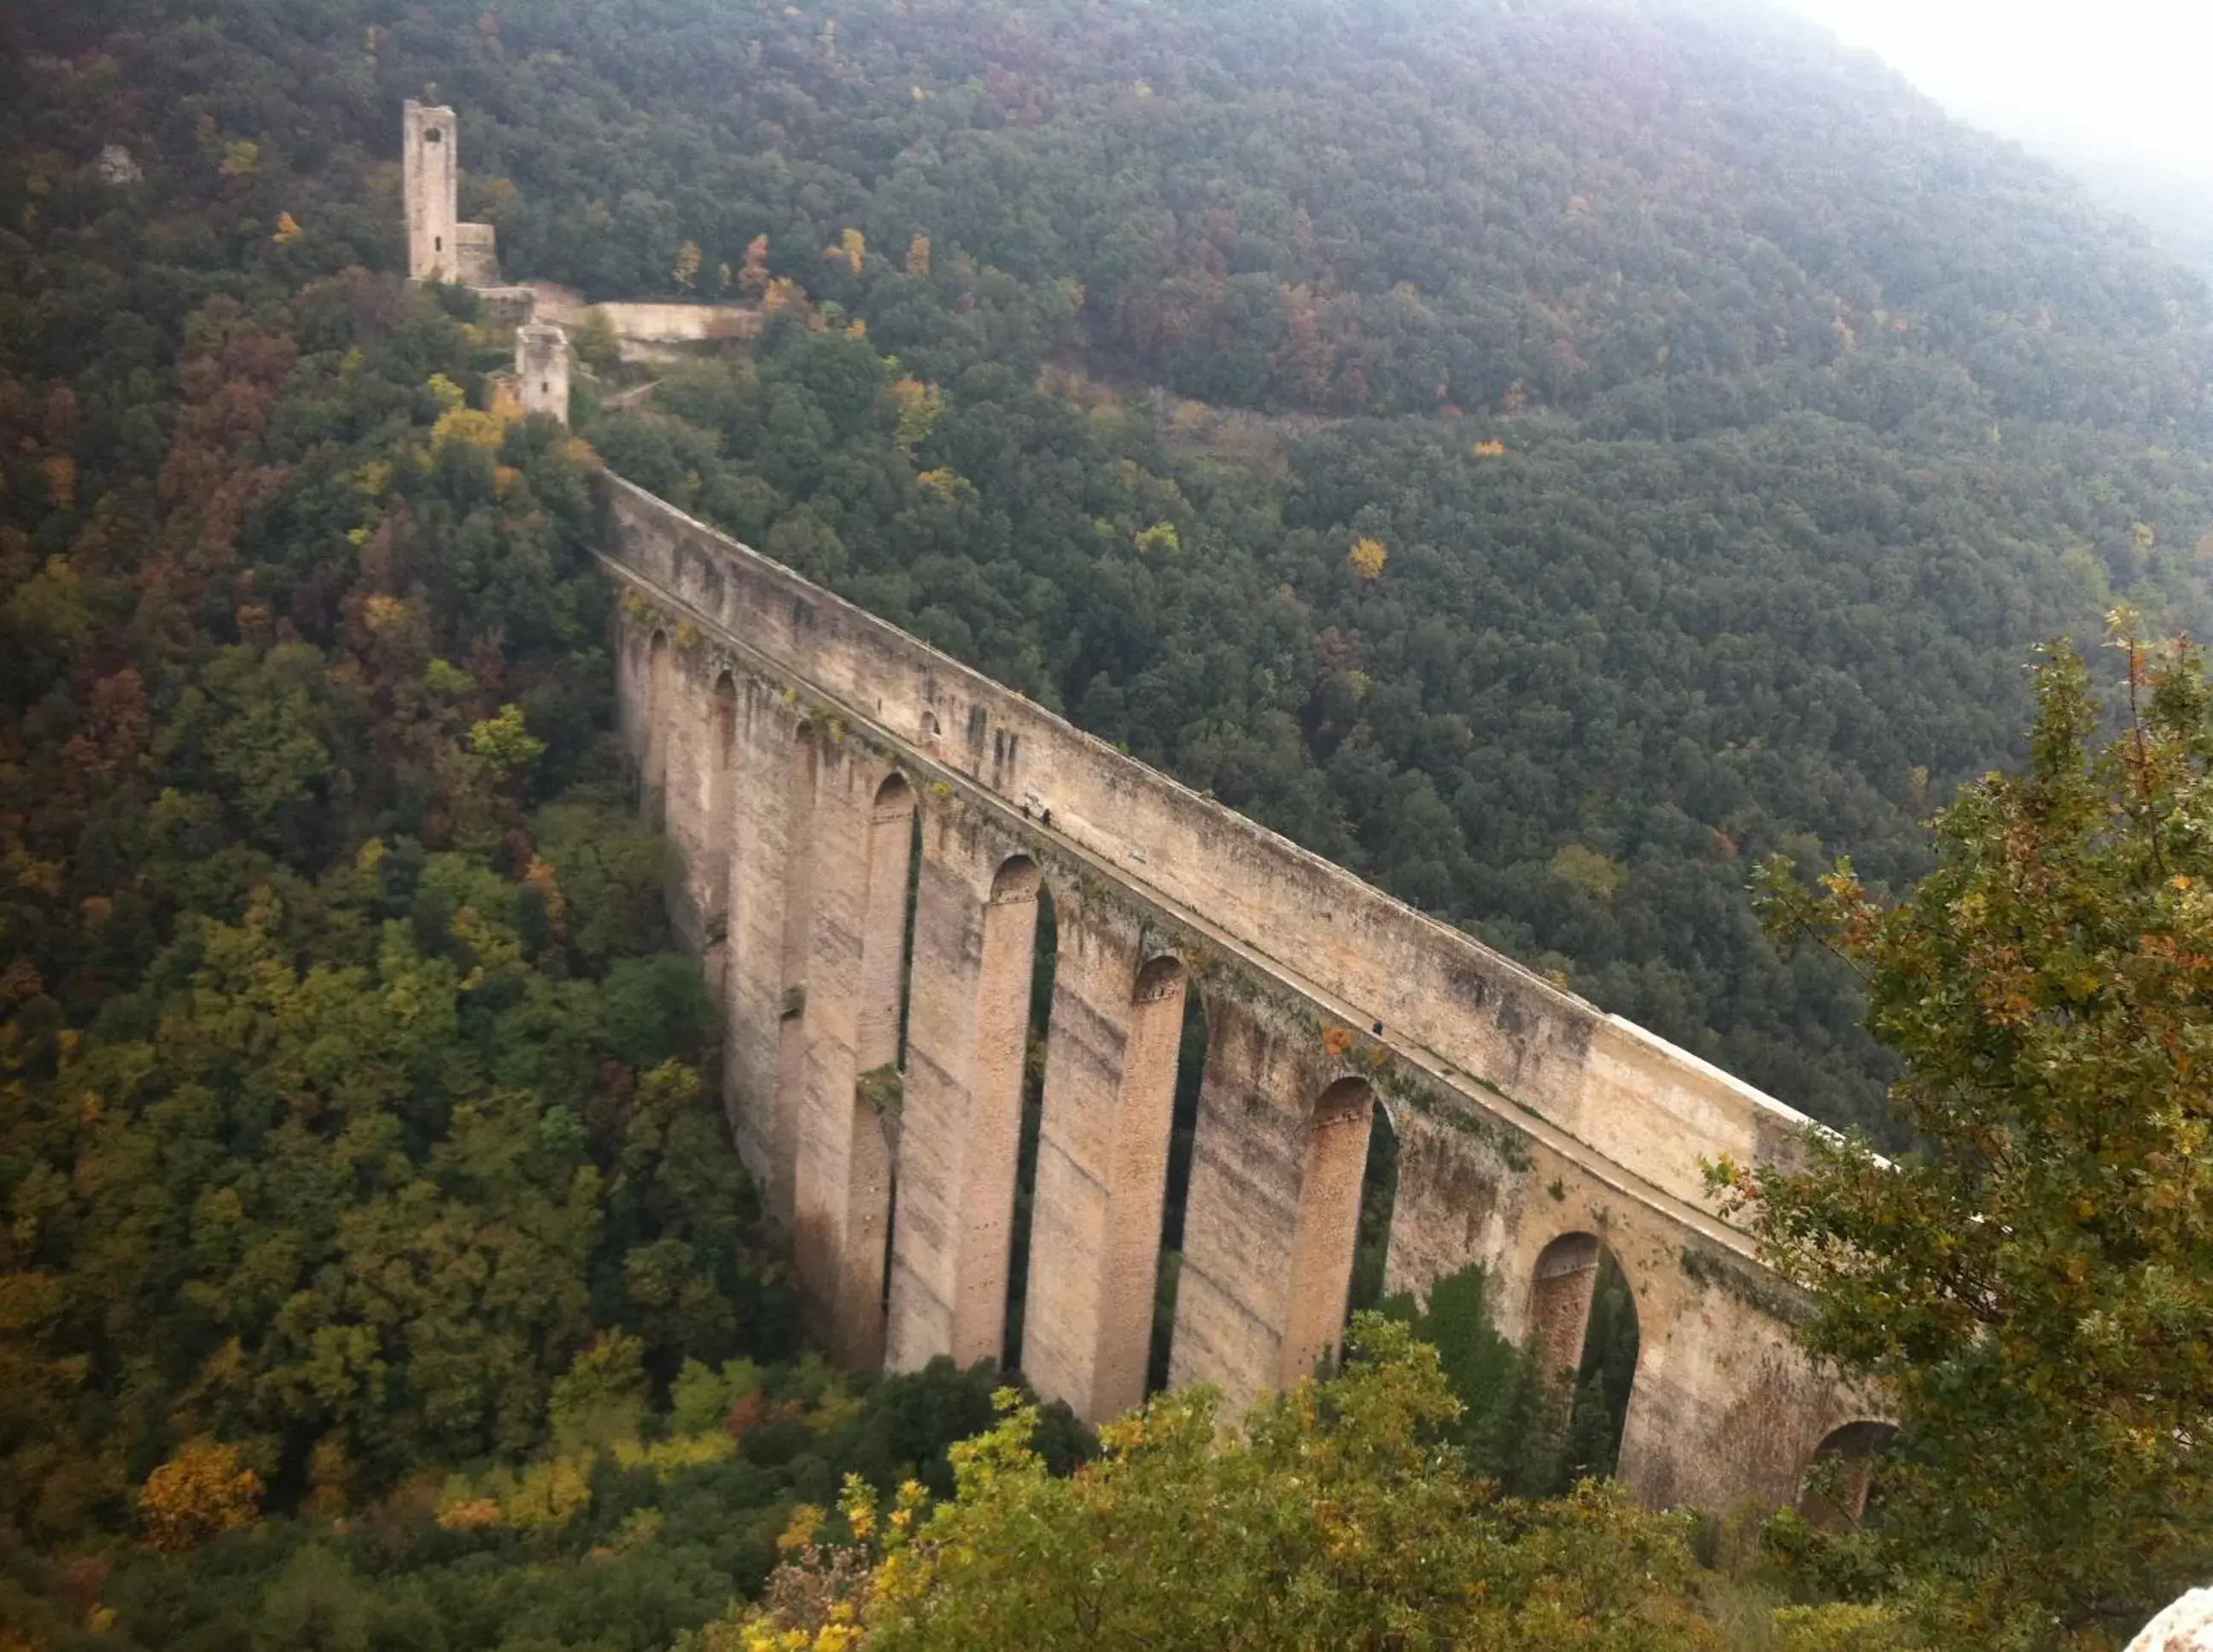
x=441, y=248
x=541, y=368
x=433, y=186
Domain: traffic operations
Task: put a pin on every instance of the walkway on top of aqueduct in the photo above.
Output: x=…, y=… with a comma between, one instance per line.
x=792, y=741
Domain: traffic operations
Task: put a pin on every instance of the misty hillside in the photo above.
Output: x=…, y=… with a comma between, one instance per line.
x=1732, y=422
x=1581, y=198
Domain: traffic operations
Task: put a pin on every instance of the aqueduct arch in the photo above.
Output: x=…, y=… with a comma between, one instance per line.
x=867, y=824
x=1838, y=1479
x=658, y=689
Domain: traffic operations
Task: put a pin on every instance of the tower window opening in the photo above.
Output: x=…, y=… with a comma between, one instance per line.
x=434, y=136
x=438, y=243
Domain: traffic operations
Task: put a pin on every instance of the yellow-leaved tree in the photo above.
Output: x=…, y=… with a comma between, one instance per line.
x=198, y=1494
x=1337, y=1518
x=753, y=278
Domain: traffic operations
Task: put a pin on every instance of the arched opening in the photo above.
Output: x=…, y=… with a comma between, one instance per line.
x=659, y=706
x=798, y=923
x=722, y=808
x=1841, y=1472
x=1328, y=1225
x=988, y=1148
x=1045, y=955
x=1183, y=1126
x=864, y=1285
x=1127, y=1140
x=913, y=901
x=1378, y=1198
x=894, y=825
x=906, y=1019
x=1583, y=1316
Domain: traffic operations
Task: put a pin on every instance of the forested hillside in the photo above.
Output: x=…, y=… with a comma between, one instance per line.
x=355, y=1144
x=1728, y=421
x=1545, y=456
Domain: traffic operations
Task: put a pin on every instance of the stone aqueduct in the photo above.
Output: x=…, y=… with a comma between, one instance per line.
x=790, y=741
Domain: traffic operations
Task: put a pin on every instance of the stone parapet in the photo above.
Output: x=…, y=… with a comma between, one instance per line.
x=791, y=742
x=1625, y=1093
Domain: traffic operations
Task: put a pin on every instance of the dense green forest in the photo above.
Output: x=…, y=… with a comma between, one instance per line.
x=1544, y=456
x=1730, y=420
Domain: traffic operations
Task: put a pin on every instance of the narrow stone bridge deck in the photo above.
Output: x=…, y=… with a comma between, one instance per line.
x=876, y=1013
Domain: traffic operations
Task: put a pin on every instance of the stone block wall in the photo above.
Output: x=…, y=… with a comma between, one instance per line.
x=1524, y=1116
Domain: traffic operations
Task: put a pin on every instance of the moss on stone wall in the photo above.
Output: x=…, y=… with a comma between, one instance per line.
x=1749, y=1282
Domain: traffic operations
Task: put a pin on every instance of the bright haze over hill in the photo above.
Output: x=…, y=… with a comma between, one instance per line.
x=2113, y=92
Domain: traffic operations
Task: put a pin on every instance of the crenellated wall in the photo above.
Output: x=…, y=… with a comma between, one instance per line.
x=791, y=742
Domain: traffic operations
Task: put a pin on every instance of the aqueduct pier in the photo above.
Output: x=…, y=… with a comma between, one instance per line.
x=876, y=1012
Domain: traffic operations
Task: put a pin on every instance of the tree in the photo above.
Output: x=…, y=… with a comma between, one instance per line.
x=1337, y=1519
x=595, y=343
x=851, y=250
x=2032, y=1287
x=198, y=1494
x=316, y=1605
x=753, y=278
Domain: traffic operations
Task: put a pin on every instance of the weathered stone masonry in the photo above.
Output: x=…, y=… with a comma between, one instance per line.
x=791, y=740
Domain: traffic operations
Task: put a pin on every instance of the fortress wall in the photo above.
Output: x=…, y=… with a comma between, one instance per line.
x=1622, y=1092
x=651, y=323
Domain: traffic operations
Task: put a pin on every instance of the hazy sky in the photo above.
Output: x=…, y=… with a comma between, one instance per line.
x=2128, y=76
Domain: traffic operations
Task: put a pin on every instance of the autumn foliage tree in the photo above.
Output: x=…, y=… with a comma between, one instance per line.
x=198, y=1494
x=1339, y=1517
x=2032, y=1287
